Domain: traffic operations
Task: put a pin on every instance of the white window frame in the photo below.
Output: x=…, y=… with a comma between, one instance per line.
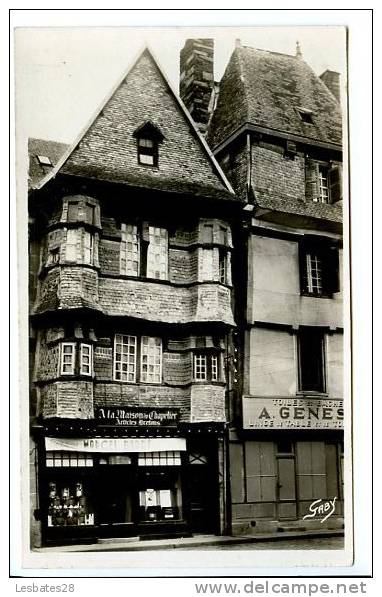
x=200, y=367
x=214, y=367
x=223, y=267
x=127, y=255
x=73, y=358
x=151, y=359
x=323, y=185
x=314, y=265
x=90, y=355
x=132, y=341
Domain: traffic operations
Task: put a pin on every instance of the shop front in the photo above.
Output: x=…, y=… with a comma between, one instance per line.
x=133, y=484
x=292, y=455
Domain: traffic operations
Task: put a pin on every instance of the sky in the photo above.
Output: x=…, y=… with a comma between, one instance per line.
x=63, y=74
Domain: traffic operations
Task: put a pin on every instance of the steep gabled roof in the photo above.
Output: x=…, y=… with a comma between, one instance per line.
x=266, y=89
x=107, y=150
x=40, y=148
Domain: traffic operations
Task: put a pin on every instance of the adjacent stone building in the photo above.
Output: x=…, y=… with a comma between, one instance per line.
x=131, y=320
x=275, y=129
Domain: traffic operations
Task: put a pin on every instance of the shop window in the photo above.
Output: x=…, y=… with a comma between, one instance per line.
x=71, y=459
x=130, y=250
x=115, y=459
x=169, y=458
x=323, y=182
x=68, y=358
x=206, y=366
x=157, y=253
x=125, y=355
x=151, y=360
x=319, y=267
x=69, y=504
x=311, y=360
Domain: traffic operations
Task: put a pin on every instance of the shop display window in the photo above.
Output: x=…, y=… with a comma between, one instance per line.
x=159, y=459
x=69, y=504
x=62, y=459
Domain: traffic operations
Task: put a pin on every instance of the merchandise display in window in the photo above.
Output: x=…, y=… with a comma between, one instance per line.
x=69, y=505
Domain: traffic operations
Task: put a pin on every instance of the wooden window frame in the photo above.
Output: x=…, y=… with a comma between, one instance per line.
x=73, y=358
x=144, y=375
x=321, y=365
x=90, y=356
x=116, y=361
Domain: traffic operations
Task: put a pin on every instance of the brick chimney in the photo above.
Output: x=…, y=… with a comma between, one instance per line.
x=197, y=78
x=332, y=82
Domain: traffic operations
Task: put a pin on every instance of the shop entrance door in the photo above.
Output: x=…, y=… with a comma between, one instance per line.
x=203, y=499
x=286, y=488
x=116, y=491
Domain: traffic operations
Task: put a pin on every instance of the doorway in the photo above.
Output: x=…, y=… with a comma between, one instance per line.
x=286, y=481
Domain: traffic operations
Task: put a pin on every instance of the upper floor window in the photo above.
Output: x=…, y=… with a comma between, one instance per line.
x=319, y=269
x=80, y=210
x=323, y=182
x=223, y=267
x=207, y=366
x=76, y=358
x=130, y=250
x=144, y=251
x=311, y=360
x=79, y=246
x=128, y=351
x=305, y=115
x=148, y=138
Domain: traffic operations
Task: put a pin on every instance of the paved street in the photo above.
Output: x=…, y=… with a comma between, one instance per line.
x=302, y=544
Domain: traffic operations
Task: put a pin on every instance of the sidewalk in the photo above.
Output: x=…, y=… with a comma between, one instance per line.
x=198, y=542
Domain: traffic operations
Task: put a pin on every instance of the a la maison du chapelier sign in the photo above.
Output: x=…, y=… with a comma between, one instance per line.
x=292, y=413
x=116, y=416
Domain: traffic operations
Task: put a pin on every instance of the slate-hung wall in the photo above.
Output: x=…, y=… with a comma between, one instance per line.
x=77, y=273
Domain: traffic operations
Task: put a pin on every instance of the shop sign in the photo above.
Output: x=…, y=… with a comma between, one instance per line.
x=292, y=413
x=113, y=445
x=116, y=416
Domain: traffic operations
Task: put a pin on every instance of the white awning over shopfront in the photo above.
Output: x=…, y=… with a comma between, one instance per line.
x=112, y=445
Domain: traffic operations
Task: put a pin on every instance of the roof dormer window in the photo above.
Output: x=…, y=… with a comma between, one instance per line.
x=148, y=138
x=305, y=115
x=43, y=160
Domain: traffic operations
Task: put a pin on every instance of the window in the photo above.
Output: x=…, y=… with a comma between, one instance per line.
x=85, y=359
x=157, y=253
x=305, y=115
x=72, y=238
x=130, y=250
x=88, y=248
x=63, y=459
x=125, y=355
x=151, y=360
x=311, y=360
x=89, y=213
x=323, y=186
x=68, y=357
x=223, y=267
x=206, y=367
x=72, y=211
x=169, y=458
x=319, y=263
x=44, y=160
x=323, y=182
x=54, y=255
x=147, y=152
x=69, y=366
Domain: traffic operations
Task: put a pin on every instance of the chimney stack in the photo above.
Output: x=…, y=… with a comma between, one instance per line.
x=197, y=79
x=332, y=82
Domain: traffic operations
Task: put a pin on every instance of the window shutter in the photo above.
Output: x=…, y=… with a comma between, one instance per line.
x=302, y=266
x=332, y=281
x=335, y=183
x=311, y=180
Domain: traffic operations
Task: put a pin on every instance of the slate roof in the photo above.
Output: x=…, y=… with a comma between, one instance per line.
x=320, y=211
x=265, y=89
x=107, y=148
x=40, y=147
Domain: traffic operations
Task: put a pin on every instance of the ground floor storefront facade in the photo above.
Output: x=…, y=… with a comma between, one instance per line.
x=93, y=483
x=286, y=479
